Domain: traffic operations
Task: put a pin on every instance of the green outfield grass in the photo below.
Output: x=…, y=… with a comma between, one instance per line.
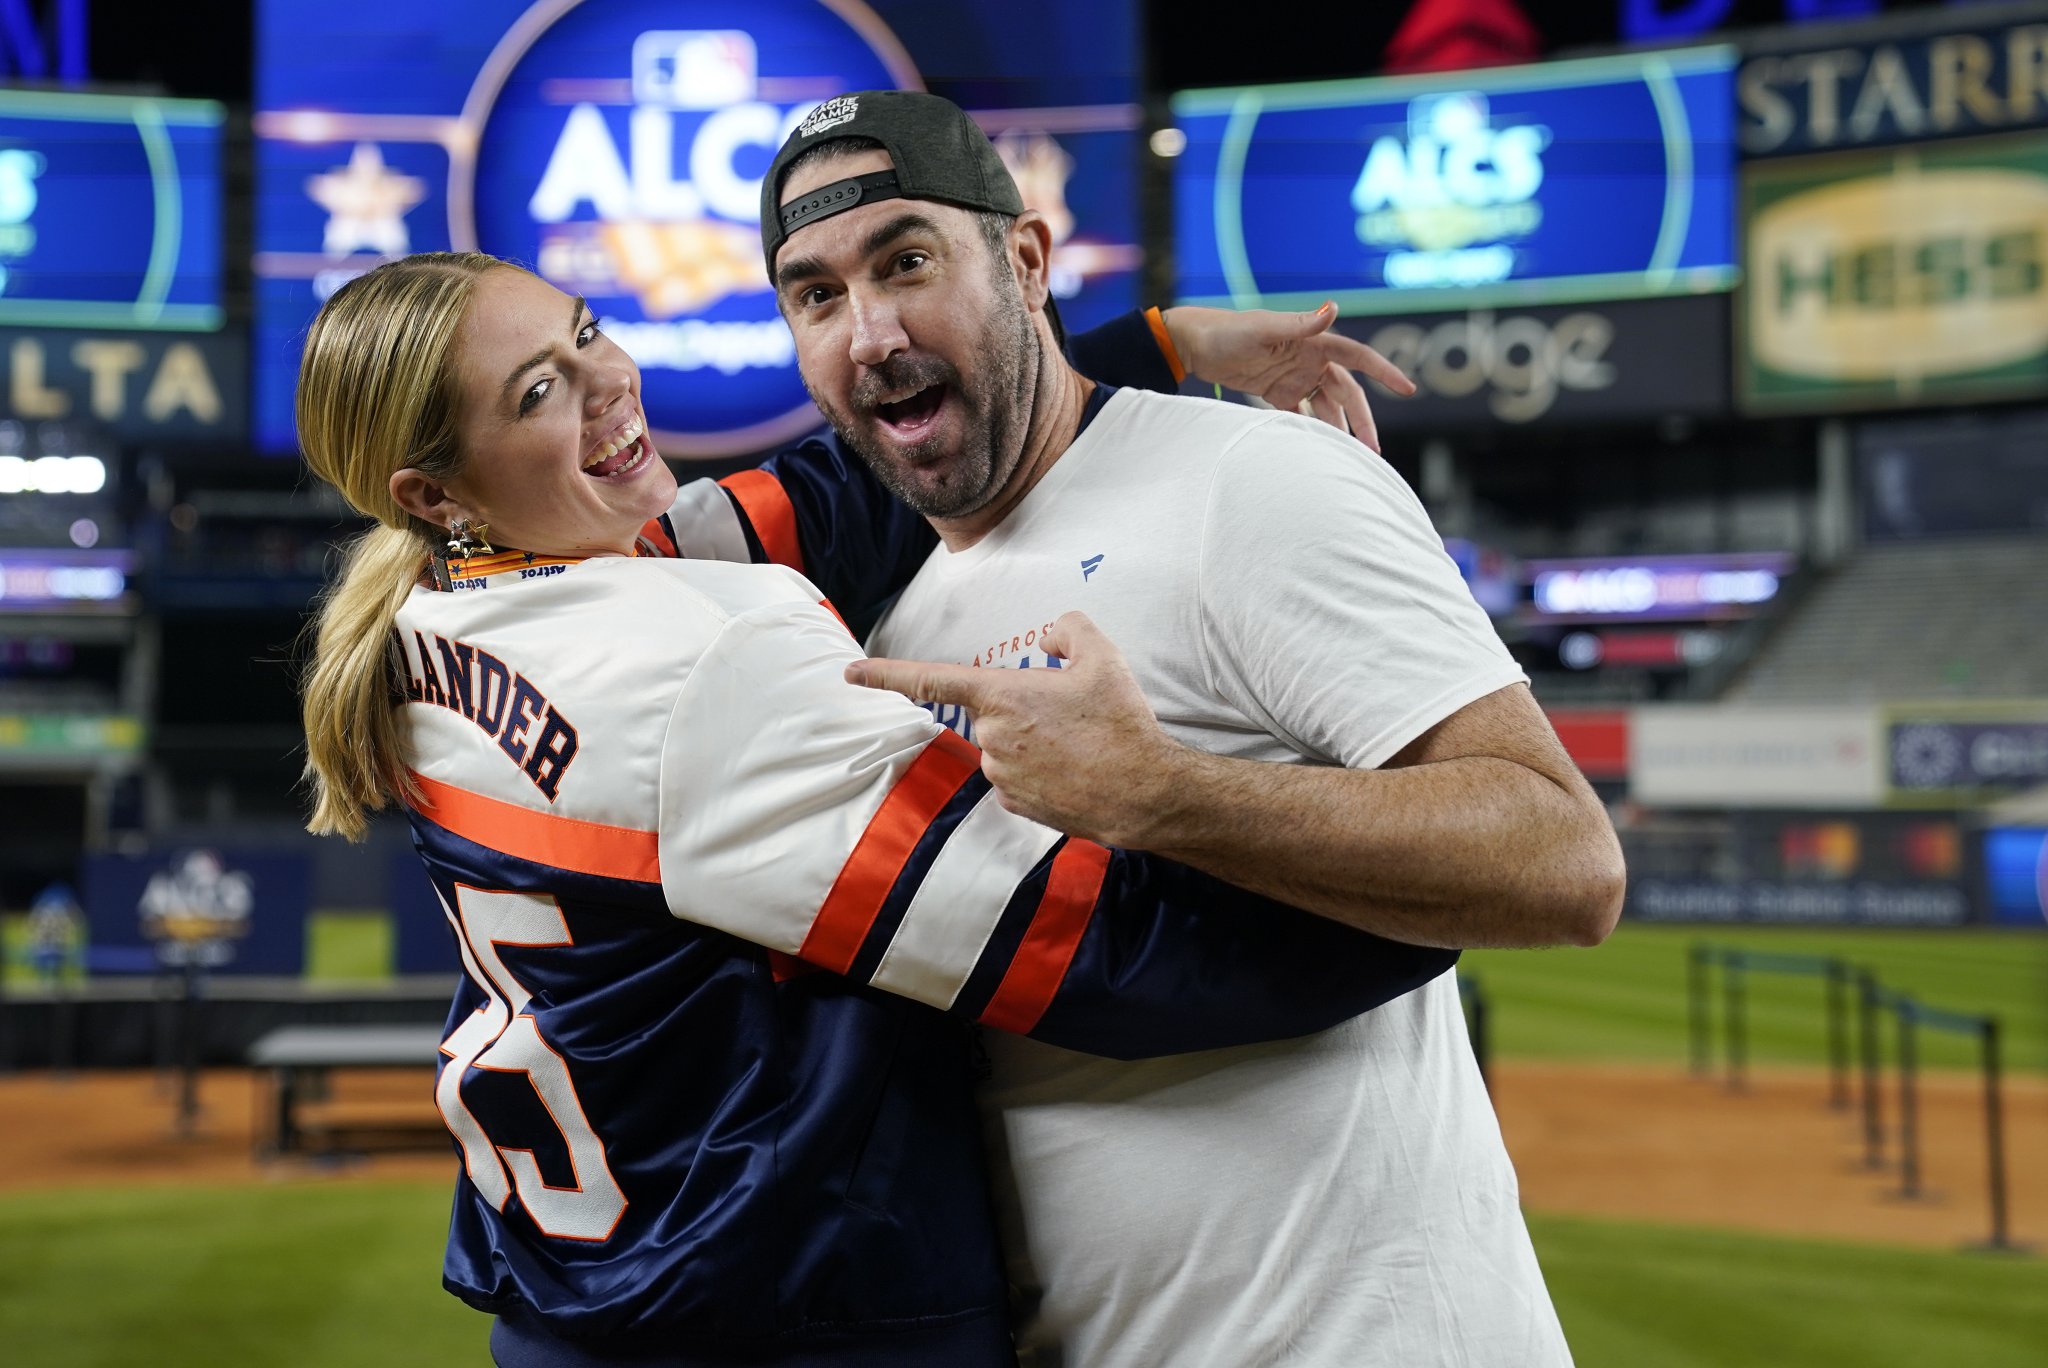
x=1643, y=1296
x=344, y=1274
x=301, y=1276
x=1626, y=999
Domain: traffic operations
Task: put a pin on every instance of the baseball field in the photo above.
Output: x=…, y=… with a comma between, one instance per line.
x=1680, y=1223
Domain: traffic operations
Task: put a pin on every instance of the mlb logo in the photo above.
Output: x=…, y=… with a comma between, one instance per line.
x=1448, y=118
x=694, y=68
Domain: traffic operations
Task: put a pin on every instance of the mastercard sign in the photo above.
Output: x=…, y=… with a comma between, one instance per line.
x=619, y=149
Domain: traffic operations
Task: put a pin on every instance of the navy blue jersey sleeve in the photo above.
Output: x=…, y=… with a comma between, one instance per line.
x=1123, y=352
x=844, y=827
x=855, y=540
x=1166, y=959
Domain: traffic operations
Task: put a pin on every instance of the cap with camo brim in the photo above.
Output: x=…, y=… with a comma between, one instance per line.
x=938, y=154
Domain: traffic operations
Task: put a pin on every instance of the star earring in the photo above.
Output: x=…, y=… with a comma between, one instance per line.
x=466, y=539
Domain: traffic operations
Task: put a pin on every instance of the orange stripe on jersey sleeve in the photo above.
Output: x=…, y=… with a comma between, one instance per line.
x=767, y=506
x=1033, y=978
x=884, y=848
x=656, y=536
x=560, y=842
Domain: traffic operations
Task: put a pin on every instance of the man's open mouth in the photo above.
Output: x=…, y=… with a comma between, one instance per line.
x=911, y=415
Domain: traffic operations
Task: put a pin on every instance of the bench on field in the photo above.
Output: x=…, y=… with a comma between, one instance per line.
x=300, y=1058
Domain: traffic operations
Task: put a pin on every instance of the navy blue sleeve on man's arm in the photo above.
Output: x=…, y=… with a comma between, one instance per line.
x=1123, y=352
x=859, y=543
x=1129, y=956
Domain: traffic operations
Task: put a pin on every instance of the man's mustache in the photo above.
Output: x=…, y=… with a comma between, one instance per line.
x=899, y=376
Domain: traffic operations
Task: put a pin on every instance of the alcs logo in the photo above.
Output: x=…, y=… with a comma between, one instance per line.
x=622, y=153
x=1457, y=180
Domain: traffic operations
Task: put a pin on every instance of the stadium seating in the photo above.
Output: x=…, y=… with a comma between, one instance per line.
x=1936, y=619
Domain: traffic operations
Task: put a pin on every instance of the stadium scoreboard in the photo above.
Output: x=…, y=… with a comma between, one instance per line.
x=110, y=211
x=1602, y=178
x=617, y=147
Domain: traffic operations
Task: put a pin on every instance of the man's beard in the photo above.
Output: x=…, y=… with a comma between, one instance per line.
x=996, y=409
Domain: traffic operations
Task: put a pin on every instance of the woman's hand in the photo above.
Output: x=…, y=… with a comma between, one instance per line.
x=1284, y=359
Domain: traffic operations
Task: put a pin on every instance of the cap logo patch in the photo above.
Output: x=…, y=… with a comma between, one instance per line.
x=830, y=114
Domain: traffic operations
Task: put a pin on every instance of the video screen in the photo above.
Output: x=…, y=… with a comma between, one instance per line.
x=617, y=147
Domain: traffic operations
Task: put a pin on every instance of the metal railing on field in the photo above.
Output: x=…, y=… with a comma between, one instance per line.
x=1870, y=1001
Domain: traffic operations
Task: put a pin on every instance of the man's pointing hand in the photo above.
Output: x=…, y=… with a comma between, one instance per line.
x=1077, y=748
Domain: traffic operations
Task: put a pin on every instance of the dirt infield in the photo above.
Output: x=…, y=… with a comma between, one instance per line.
x=1598, y=1140
x=1651, y=1143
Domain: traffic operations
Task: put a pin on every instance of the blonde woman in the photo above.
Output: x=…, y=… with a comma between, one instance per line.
x=654, y=810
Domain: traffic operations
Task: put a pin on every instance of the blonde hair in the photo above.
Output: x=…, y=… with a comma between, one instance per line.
x=377, y=393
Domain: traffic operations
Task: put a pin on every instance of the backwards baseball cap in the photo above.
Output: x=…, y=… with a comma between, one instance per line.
x=939, y=154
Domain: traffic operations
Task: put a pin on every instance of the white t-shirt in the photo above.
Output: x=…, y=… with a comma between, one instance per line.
x=1342, y=1199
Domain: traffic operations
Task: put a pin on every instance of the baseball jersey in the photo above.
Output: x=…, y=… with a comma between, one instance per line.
x=1339, y=1200
x=652, y=807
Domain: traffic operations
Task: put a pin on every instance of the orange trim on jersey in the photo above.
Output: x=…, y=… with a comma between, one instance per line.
x=1157, y=322
x=1036, y=970
x=503, y=561
x=658, y=538
x=884, y=848
x=782, y=968
x=767, y=506
x=608, y=852
x=826, y=604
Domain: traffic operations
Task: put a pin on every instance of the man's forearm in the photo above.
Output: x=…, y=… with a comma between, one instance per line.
x=1479, y=832
x=1464, y=852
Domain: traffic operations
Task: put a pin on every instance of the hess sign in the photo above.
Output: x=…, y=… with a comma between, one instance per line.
x=1903, y=277
x=1605, y=178
x=109, y=211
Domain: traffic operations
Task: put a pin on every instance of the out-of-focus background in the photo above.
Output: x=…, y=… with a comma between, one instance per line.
x=1730, y=319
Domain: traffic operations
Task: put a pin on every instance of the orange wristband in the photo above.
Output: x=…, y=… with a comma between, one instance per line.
x=1157, y=321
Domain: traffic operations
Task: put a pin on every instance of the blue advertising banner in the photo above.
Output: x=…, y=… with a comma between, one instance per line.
x=224, y=911
x=422, y=941
x=617, y=146
x=110, y=211
x=1932, y=758
x=1598, y=179
x=2016, y=875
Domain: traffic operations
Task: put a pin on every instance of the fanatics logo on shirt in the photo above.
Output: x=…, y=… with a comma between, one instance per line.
x=1090, y=566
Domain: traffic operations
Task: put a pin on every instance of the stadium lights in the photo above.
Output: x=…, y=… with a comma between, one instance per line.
x=52, y=475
